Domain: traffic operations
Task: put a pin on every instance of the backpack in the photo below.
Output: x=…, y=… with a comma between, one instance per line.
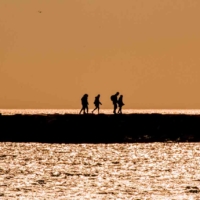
x=112, y=98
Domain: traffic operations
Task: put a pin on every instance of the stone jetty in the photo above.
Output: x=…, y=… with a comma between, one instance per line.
x=102, y=128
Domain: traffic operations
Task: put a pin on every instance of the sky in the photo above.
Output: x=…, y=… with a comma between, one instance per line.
x=54, y=51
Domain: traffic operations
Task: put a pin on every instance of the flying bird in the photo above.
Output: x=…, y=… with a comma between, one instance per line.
x=39, y=11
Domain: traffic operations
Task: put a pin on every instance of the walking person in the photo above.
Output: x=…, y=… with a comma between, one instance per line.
x=114, y=101
x=120, y=104
x=97, y=103
x=84, y=102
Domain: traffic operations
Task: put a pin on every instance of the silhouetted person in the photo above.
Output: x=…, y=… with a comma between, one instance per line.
x=120, y=104
x=114, y=101
x=84, y=102
x=97, y=103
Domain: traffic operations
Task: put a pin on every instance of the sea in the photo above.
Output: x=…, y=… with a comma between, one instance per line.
x=102, y=111
x=153, y=171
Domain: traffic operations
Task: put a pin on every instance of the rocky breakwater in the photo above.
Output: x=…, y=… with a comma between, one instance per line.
x=72, y=128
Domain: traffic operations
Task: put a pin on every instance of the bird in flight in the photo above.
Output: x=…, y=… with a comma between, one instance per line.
x=39, y=11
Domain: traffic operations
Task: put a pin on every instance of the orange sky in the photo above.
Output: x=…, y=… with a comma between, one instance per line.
x=146, y=50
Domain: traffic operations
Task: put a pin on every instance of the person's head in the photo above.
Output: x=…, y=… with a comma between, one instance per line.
x=117, y=93
x=98, y=95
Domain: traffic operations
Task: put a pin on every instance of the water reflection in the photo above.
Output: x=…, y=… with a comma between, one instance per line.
x=100, y=171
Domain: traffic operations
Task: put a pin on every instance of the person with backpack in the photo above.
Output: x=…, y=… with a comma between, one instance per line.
x=120, y=104
x=114, y=101
x=97, y=103
x=84, y=102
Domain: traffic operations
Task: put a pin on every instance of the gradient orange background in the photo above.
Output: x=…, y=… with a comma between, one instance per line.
x=146, y=50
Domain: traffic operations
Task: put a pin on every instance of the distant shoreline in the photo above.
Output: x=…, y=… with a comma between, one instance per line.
x=103, y=128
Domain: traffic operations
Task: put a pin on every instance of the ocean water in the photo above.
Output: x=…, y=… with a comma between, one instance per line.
x=153, y=171
x=105, y=111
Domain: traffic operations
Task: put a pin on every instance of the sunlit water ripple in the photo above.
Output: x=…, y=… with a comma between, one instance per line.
x=99, y=171
x=104, y=111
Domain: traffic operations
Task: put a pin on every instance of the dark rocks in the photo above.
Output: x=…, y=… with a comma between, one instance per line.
x=72, y=128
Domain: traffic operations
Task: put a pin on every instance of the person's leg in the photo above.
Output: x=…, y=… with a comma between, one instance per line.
x=84, y=109
x=98, y=109
x=115, y=107
x=119, y=110
x=81, y=110
x=87, y=109
x=94, y=109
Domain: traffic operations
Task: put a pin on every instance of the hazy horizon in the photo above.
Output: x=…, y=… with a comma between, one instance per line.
x=53, y=52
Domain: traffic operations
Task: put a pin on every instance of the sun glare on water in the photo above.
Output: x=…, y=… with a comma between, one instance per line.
x=102, y=111
x=100, y=171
